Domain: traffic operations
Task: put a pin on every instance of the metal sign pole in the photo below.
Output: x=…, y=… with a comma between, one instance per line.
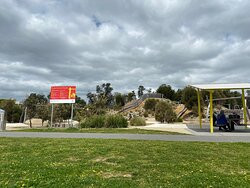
x=72, y=111
x=51, y=120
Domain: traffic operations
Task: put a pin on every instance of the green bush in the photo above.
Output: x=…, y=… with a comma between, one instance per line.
x=108, y=121
x=150, y=104
x=137, y=121
x=94, y=121
x=145, y=114
x=116, y=121
x=152, y=113
x=179, y=119
x=164, y=112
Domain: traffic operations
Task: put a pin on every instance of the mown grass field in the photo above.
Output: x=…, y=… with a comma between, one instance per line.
x=98, y=130
x=33, y=162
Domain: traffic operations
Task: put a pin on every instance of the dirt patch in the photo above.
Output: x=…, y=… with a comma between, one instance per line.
x=104, y=160
x=108, y=175
x=73, y=159
x=100, y=159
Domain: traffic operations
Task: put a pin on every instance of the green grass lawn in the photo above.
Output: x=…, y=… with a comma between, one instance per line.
x=97, y=130
x=26, y=162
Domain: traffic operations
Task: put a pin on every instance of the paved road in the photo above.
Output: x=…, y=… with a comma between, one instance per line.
x=199, y=138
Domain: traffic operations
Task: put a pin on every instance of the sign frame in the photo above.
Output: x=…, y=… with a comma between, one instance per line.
x=62, y=94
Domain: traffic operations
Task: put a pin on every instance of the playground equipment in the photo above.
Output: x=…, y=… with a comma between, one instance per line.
x=230, y=110
x=135, y=103
x=211, y=88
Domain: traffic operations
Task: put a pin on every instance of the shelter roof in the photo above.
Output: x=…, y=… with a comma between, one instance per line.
x=221, y=86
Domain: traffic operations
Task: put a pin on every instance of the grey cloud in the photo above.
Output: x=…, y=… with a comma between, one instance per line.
x=127, y=43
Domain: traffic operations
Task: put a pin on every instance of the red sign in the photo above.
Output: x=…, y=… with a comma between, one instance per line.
x=63, y=94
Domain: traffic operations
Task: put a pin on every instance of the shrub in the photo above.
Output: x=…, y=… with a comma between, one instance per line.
x=108, y=121
x=137, y=121
x=116, y=121
x=145, y=114
x=94, y=121
x=150, y=104
x=164, y=112
x=179, y=119
x=152, y=113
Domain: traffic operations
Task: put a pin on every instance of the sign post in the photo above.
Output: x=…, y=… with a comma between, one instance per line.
x=63, y=94
x=51, y=120
x=72, y=112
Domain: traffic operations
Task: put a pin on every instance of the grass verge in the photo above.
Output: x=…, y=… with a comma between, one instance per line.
x=26, y=162
x=98, y=130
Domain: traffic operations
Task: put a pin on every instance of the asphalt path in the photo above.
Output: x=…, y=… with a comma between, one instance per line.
x=185, y=138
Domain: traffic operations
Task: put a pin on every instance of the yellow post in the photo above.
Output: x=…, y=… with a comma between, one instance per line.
x=244, y=107
x=211, y=112
x=199, y=107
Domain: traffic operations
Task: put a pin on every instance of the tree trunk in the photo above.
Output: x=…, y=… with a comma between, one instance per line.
x=42, y=122
x=30, y=124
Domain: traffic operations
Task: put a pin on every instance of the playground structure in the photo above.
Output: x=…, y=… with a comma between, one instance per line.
x=230, y=109
x=211, y=88
x=139, y=103
x=135, y=103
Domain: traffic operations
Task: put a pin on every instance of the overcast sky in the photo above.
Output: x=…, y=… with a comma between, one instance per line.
x=125, y=42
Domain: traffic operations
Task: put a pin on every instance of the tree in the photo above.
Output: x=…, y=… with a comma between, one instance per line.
x=43, y=112
x=166, y=91
x=91, y=97
x=140, y=91
x=42, y=99
x=61, y=112
x=234, y=101
x=178, y=95
x=224, y=94
x=131, y=96
x=99, y=101
x=13, y=111
x=32, y=102
x=42, y=108
x=120, y=99
x=105, y=91
x=80, y=102
x=164, y=112
x=189, y=98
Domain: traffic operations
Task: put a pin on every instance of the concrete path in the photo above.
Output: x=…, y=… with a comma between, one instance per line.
x=174, y=127
x=152, y=124
x=199, y=138
x=16, y=126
